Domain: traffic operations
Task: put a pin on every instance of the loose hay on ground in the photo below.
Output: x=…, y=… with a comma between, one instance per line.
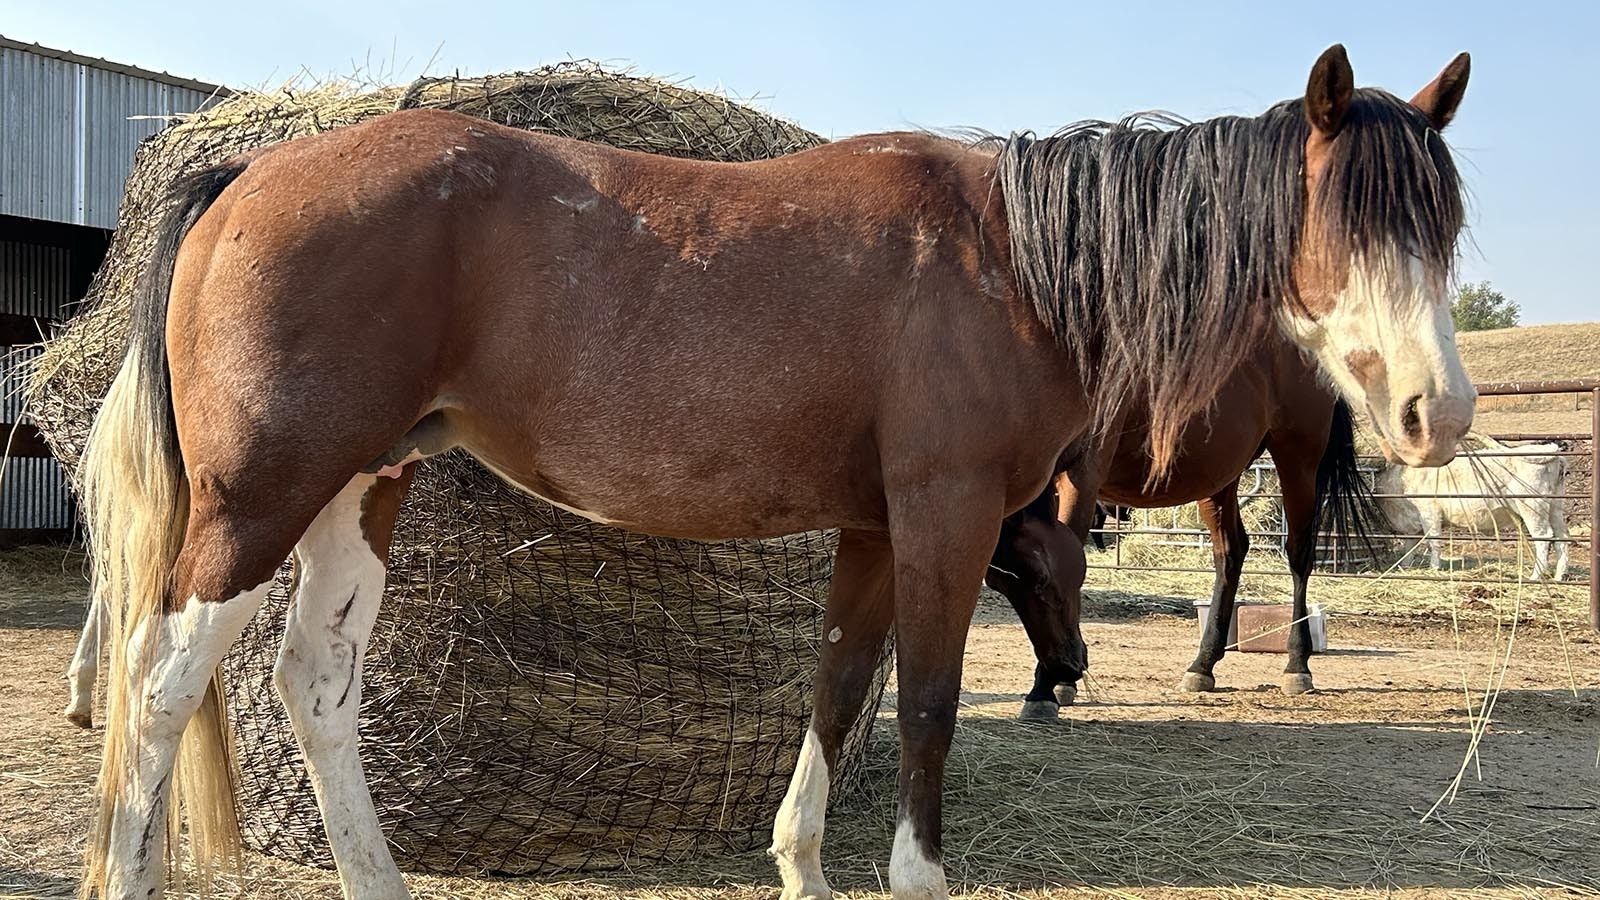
x=543, y=694
x=1239, y=795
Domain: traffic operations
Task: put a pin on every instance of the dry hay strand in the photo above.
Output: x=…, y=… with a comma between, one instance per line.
x=544, y=694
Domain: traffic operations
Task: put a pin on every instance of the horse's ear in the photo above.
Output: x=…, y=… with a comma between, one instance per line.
x=1329, y=90
x=1438, y=101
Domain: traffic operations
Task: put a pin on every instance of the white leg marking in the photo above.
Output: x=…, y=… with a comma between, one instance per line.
x=188, y=646
x=797, y=831
x=318, y=675
x=912, y=875
x=85, y=667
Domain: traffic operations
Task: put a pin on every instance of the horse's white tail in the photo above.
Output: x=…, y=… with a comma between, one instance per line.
x=135, y=503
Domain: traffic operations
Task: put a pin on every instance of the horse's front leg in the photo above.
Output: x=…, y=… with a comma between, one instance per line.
x=943, y=534
x=1300, y=518
x=1536, y=520
x=860, y=608
x=1229, y=544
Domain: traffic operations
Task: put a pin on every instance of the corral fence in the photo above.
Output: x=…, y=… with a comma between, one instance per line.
x=1337, y=556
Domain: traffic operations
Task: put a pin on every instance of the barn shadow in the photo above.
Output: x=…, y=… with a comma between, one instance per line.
x=42, y=586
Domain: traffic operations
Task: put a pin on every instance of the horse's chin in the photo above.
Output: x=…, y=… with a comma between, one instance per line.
x=1389, y=455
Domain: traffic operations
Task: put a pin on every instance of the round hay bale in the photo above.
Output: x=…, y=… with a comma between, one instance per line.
x=543, y=694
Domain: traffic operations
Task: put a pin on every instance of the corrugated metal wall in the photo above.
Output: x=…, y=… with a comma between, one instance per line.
x=38, y=97
x=13, y=360
x=68, y=132
x=34, y=491
x=35, y=280
x=34, y=495
x=69, y=126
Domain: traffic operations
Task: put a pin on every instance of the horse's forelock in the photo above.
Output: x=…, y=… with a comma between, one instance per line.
x=1391, y=187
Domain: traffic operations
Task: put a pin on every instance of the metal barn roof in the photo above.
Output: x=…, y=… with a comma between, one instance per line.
x=69, y=125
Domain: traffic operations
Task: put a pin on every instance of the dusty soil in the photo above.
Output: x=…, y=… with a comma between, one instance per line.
x=1139, y=791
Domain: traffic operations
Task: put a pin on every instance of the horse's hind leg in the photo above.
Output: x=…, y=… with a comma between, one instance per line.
x=174, y=656
x=1229, y=544
x=860, y=608
x=340, y=566
x=85, y=665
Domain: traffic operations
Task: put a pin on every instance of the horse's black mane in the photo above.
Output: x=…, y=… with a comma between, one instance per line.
x=1156, y=251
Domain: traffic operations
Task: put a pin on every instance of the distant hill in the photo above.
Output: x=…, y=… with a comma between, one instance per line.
x=1533, y=353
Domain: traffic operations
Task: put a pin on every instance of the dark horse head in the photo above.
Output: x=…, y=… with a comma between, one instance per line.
x=1149, y=245
x=1038, y=565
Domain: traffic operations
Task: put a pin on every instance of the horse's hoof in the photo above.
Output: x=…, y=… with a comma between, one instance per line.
x=1196, y=683
x=1066, y=694
x=80, y=718
x=1039, y=711
x=1297, y=684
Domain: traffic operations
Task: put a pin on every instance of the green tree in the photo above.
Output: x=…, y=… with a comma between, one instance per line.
x=1479, y=307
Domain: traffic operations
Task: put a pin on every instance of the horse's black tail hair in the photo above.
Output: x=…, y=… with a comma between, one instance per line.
x=190, y=196
x=1345, y=505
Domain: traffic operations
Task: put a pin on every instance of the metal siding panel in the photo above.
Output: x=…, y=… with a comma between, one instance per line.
x=34, y=495
x=36, y=162
x=35, y=280
x=34, y=491
x=117, y=104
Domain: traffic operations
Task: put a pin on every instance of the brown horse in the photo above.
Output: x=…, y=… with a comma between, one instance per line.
x=888, y=335
x=1275, y=402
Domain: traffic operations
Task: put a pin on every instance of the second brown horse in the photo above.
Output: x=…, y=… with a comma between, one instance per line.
x=1275, y=401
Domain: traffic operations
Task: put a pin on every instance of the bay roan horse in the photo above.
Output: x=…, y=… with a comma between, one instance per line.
x=1275, y=401
x=889, y=335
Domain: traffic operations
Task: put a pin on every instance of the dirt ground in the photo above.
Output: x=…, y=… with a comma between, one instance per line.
x=1139, y=791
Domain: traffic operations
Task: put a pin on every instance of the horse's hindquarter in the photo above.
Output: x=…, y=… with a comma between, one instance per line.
x=683, y=348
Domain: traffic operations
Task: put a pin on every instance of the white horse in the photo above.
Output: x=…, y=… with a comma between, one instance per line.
x=1485, y=495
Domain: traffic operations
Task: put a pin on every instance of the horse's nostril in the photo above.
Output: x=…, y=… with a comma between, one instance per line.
x=1411, y=419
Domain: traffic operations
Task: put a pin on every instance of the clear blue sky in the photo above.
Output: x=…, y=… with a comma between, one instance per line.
x=1526, y=133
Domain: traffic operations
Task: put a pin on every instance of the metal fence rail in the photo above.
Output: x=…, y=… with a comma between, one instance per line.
x=1339, y=543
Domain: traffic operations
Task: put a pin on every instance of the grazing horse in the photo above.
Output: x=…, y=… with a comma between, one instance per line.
x=890, y=335
x=1486, y=494
x=1276, y=402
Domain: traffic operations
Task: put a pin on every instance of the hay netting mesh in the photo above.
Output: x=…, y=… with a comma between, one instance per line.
x=542, y=694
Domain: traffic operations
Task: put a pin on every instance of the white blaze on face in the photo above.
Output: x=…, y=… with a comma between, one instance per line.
x=1389, y=345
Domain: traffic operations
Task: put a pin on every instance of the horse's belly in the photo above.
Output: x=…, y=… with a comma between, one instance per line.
x=705, y=495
